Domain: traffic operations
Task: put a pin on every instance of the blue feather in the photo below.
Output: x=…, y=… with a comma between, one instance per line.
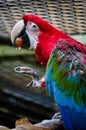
x=66, y=83
x=72, y=119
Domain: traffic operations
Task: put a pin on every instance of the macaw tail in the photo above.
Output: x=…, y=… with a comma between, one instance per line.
x=72, y=120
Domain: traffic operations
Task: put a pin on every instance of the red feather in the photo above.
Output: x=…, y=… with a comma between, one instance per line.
x=48, y=38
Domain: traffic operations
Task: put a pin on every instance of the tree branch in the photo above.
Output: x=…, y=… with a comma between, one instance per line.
x=23, y=124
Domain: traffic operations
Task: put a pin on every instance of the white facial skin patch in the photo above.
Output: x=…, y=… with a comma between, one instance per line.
x=32, y=31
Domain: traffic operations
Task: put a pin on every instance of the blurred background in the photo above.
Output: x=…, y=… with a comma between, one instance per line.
x=16, y=101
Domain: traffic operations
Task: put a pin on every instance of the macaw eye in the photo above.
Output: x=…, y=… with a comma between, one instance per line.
x=34, y=26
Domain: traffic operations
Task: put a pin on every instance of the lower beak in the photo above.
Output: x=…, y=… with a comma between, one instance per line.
x=22, y=41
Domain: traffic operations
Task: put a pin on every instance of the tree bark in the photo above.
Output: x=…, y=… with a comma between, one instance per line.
x=24, y=124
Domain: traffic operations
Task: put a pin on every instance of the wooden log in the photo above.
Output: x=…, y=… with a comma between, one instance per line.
x=24, y=124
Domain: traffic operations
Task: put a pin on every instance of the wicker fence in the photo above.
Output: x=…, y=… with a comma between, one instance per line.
x=67, y=15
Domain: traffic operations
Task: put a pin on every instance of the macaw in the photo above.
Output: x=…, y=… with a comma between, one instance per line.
x=65, y=62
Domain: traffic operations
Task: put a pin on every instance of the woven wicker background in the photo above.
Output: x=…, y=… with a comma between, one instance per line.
x=67, y=15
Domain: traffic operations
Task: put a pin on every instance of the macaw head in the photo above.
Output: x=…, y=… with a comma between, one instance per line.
x=35, y=33
x=26, y=32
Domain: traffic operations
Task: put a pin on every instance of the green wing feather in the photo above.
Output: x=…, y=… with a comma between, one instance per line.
x=68, y=70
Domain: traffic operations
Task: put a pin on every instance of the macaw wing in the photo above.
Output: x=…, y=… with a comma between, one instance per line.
x=66, y=75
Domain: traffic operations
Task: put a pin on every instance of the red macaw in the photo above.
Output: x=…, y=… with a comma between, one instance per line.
x=66, y=66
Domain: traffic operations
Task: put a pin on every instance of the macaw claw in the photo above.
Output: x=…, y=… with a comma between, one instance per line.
x=35, y=82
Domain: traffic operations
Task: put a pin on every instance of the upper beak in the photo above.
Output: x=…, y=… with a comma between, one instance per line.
x=19, y=36
x=17, y=29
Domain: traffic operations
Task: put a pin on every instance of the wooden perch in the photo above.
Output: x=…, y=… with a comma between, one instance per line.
x=24, y=124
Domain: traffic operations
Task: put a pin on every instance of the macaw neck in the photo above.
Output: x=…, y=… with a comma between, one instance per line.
x=46, y=43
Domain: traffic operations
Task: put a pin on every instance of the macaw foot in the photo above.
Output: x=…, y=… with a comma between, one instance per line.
x=57, y=116
x=37, y=83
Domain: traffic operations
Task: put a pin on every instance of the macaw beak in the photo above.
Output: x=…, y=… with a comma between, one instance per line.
x=19, y=36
